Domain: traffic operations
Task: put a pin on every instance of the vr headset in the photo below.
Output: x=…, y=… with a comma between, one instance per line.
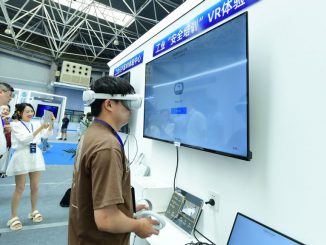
x=130, y=101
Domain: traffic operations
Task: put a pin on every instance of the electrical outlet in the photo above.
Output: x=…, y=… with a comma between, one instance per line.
x=216, y=197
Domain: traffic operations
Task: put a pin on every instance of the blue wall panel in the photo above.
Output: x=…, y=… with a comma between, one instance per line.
x=74, y=98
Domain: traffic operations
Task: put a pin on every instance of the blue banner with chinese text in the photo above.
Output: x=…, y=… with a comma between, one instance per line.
x=220, y=11
x=134, y=61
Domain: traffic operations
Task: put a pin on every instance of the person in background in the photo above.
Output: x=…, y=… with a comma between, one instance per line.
x=82, y=118
x=84, y=124
x=5, y=96
x=26, y=159
x=45, y=144
x=6, y=92
x=14, y=117
x=101, y=209
x=5, y=119
x=64, y=127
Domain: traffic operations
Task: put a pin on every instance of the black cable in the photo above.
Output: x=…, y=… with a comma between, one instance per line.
x=126, y=139
x=124, y=143
x=196, y=237
x=196, y=225
x=176, y=169
x=195, y=230
x=197, y=243
x=128, y=151
x=211, y=243
x=136, y=149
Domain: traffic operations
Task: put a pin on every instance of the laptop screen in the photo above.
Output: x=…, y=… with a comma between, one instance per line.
x=246, y=231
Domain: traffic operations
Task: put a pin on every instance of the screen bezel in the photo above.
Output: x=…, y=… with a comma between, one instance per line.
x=248, y=157
x=257, y=222
x=125, y=129
x=125, y=74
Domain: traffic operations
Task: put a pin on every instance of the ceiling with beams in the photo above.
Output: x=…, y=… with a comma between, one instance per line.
x=82, y=31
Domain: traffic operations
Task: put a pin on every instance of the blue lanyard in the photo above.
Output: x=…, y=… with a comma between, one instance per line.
x=3, y=122
x=115, y=132
x=27, y=127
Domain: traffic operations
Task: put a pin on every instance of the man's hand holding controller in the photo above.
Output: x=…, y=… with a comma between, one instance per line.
x=149, y=226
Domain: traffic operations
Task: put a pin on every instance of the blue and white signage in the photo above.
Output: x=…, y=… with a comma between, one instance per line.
x=220, y=11
x=134, y=61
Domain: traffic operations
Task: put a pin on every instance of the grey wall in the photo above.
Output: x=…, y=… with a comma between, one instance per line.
x=32, y=75
x=23, y=73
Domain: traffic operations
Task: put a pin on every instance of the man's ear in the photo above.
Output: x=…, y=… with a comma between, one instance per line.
x=107, y=105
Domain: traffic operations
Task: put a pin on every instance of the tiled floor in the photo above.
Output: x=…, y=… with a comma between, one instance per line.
x=53, y=230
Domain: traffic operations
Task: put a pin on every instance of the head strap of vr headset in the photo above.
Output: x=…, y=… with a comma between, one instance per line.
x=89, y=96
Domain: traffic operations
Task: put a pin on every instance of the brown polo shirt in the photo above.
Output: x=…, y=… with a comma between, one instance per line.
x=101, y=178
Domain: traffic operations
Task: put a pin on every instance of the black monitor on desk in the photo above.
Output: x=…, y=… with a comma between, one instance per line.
x=246, y=231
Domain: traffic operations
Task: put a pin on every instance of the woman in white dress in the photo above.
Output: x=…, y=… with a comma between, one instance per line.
x=26, y=159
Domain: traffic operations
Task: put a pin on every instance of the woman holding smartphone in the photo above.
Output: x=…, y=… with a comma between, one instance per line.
x=26, y=159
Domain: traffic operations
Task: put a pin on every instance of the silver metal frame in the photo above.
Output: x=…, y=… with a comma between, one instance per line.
x=62, y=28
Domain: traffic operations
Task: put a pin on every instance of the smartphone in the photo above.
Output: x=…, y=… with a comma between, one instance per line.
x=47, y=116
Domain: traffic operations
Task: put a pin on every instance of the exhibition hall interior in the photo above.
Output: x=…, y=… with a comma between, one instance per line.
x=225, y=138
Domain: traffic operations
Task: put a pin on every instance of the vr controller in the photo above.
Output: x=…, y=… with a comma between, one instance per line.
x=144, y=213
x=149, y=214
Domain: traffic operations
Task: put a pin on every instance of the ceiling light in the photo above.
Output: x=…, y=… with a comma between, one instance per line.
x=8, y=31
x=100, y=10
x=116, y=42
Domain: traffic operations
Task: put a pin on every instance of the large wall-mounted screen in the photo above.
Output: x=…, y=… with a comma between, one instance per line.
x=198, y=95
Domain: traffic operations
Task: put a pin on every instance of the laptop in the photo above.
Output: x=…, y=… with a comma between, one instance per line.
x=246, y=231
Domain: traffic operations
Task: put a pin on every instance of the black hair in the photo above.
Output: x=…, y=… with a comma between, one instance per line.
x=20, y=109
x=109, y=85
x=6, y=86
x=14, y=116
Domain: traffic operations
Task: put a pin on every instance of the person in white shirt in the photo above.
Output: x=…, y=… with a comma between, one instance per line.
x=84, y=124
x=26, y=159
x=5, y=96
x=5, y=121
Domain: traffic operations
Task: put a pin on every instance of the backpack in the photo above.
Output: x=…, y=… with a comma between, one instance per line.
x=65, y=201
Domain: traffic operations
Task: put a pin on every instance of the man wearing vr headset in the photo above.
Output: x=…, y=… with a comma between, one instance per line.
x=101, y=208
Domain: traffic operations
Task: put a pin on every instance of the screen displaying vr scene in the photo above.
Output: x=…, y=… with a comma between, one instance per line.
x=40, y=110
x=197, y=94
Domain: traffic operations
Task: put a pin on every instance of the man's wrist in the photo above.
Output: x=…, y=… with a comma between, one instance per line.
x=136, y=225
